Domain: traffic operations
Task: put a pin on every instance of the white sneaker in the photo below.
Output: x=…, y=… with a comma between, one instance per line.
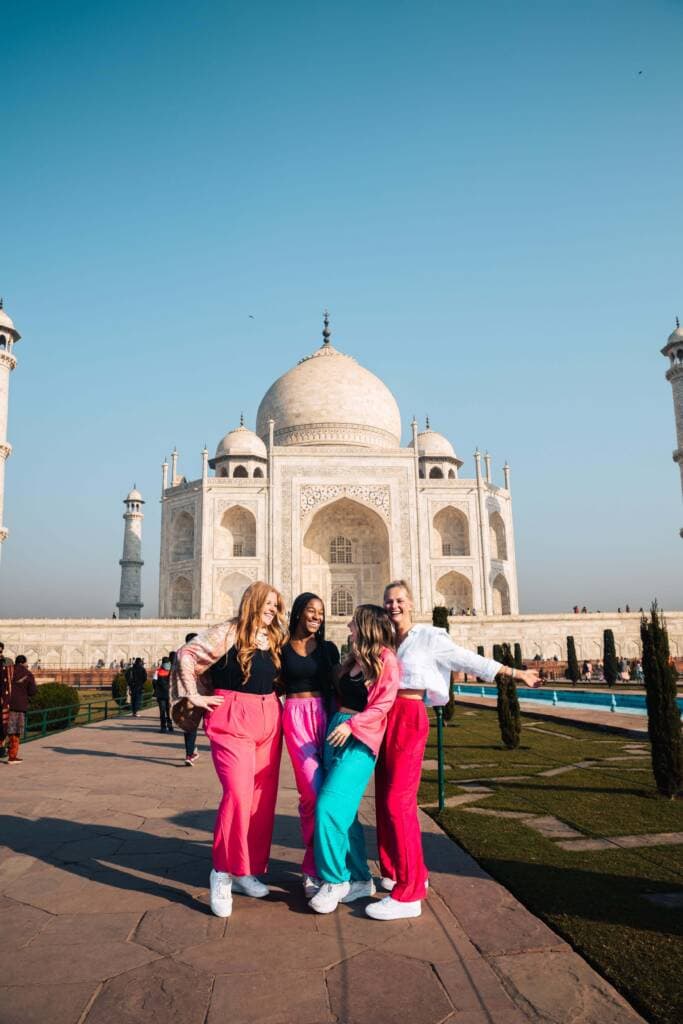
x=220, y=885
x=357, y=890
x=387, y=884
x=249, y=885
x=390, y=909
x=328, y=896
x=311, y=886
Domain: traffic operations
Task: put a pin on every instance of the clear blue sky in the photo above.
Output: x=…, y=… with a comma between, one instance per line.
x=486, y=195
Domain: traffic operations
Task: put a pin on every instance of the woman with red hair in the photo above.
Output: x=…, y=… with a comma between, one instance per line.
x=244, y=726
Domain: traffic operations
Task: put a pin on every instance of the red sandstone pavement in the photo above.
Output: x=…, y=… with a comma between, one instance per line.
x=103, y=878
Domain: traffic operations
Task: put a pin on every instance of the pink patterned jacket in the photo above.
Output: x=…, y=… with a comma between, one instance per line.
x=369, y=725
x=190, y=674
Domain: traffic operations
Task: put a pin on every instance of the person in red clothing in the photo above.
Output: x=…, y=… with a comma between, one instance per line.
x=19, y=685
x=427, y=657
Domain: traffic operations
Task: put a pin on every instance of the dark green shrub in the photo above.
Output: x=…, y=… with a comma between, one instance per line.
x=480, y=652
x=63, y=701
x=609, y=661
x=518, y=656
x=119, y=688
x=573, y=670
x=509, y=718
x=498, y=653
x=440, y=618
x=663, y=716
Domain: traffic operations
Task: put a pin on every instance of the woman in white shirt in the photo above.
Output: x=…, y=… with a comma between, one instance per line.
x=427, y=656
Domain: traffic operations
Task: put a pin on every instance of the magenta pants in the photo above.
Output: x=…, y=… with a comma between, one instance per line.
x=246, y=743
x=304, y=724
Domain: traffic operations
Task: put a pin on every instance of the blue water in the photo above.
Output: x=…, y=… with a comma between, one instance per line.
x=624, y=703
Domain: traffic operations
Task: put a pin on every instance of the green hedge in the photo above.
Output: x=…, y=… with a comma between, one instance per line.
x=62, y=700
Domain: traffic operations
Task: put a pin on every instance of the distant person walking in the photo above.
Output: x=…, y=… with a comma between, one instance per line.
x=6, y=671
x=136, y=677
x=17, y=690
x=161, y=683
x=191, y=752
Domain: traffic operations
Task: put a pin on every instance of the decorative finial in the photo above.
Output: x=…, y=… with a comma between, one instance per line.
x=2, y=302
x=327, y=333
x=241, y=419
x=427, y=427
x=678, y=322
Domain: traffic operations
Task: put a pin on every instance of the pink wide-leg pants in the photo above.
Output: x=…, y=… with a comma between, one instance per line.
x=304, y=724
x=246, y=744
x=397, y=778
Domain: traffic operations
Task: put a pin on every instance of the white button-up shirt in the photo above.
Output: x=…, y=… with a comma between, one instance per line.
x=428, y=656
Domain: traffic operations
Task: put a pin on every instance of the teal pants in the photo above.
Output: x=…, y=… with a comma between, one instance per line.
x=338, y=840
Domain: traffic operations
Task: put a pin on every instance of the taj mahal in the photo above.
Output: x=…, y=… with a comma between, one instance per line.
x=323, y=496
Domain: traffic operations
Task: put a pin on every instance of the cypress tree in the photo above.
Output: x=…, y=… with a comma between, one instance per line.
x=663, y=716
x=440, y=618
x=609, y=660
x=480, y=652
x=498, y=653
x=518, y=657
x=509, y=718
x=573, y=670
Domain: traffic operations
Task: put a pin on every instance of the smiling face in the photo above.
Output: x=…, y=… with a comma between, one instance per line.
x=399, y=607
x=353, y=631
x=312, y=618
x=269, y=610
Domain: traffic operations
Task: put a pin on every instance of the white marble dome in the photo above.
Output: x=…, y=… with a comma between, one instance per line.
x=7, y=323
x=329, y=398
x=434, y=444
x=134, y=495
x=242, y=442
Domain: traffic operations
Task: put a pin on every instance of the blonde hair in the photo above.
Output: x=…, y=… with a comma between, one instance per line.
x=248, y=625
x=403, y=584
x=375, y=632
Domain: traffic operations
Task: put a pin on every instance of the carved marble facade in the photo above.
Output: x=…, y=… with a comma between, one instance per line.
x=323, y=496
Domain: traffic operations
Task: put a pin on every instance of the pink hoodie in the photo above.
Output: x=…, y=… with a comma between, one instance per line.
x=369, y=725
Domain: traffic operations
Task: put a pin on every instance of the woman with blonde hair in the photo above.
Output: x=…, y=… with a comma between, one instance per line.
x=427, y=656
x=366, y=688
x=243, y=722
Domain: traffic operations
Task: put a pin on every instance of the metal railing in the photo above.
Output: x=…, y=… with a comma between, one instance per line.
x=40, y=722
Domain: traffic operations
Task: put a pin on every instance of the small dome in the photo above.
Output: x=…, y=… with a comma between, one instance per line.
x=430, y=442
x=7, y=322
x=242, y=442
x=134, y=495
x=675, y=339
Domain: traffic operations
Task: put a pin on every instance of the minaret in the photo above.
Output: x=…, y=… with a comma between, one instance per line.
x=130, y=597
x=9, y=335
x=674, y=352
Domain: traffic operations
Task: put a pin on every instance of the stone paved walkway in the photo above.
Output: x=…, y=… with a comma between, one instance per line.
x=103, y=876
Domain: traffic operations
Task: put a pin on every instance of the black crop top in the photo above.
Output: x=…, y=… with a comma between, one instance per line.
x=310, y=671
x=352, y=692
x=226, y=674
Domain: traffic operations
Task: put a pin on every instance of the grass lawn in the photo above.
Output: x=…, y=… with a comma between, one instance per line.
x=594, y=899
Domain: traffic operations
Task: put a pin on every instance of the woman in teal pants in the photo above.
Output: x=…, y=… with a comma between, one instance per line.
x=366, y=689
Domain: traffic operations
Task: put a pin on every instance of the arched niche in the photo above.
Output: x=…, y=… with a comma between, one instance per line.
x=435, y=473
x=499, y=548
x=240, y=472
x=182, y=537
x=451, y=533
x=236, y=534
x=341, y=601
x=229, y=594
x=453, y=590
x=181, y=598
x=501, y=595
x=258, y=472
x=346, y=546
